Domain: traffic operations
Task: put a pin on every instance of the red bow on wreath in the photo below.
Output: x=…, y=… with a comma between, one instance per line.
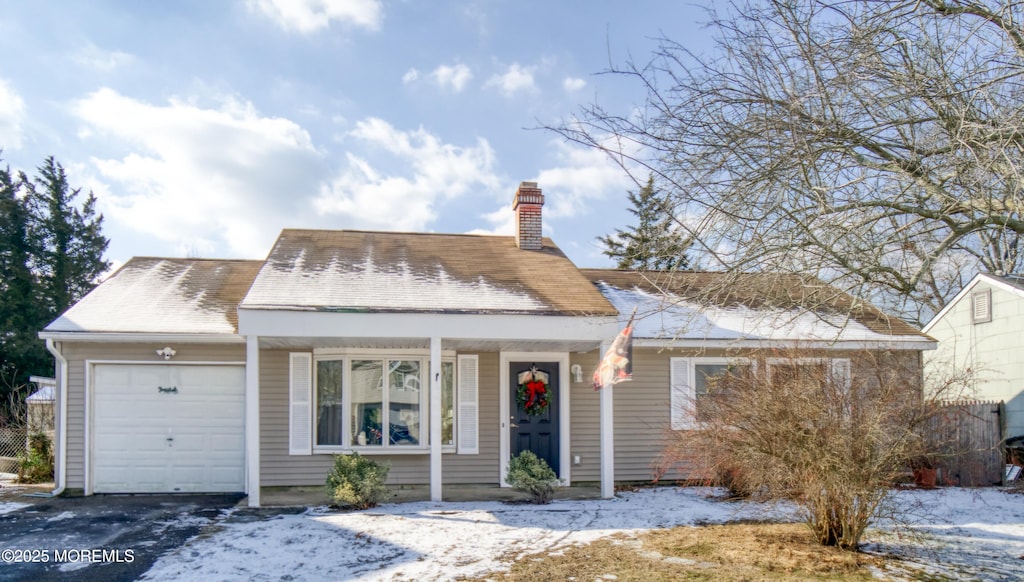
x=534, y=389
x=533, y=395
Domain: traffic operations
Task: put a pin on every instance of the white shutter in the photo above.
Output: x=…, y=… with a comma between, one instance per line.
x=682, y=394
x=300, y=404
x=467, y=411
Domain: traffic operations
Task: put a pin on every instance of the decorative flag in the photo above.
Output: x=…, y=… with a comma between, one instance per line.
x=617, y=364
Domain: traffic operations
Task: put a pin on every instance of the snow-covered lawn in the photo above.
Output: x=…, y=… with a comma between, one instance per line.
x=963, y=533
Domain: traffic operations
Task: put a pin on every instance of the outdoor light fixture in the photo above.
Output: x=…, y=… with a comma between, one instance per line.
x=166, y=352
x=577, y=373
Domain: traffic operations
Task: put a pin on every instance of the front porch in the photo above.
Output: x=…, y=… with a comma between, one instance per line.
x=432, y=465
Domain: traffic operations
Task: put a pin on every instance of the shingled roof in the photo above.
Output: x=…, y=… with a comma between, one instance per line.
x=158, y=295
x=715, y=305
x=363, y=271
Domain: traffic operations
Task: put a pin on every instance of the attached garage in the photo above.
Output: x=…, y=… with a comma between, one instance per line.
x=167, y=428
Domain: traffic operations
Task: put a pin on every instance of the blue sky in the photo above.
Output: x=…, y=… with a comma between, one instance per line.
x=204, y=127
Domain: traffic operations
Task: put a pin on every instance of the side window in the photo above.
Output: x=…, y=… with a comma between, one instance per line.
x=329, y=410
x=695, y=382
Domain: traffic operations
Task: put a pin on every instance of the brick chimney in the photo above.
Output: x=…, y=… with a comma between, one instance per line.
x=526, y=205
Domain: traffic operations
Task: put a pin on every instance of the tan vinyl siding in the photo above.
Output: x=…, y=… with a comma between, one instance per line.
x=642, y=411
x=482, y=467
x=78, y=353
x=585, y=421
x=642, y=416
x=278, y=468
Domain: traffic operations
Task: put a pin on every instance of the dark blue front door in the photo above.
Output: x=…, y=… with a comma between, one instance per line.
x=537, y=433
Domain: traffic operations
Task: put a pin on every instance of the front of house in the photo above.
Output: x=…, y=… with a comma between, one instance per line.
x=188, y=375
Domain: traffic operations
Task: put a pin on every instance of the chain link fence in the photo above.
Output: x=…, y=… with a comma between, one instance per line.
x=13, y=442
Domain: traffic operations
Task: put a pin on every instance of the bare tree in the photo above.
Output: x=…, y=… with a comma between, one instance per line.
x=832, y=435
x=876, y=145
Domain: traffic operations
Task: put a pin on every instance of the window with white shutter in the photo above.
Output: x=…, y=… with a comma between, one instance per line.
x=681, y=394
x=467, y=414
x=300, y=404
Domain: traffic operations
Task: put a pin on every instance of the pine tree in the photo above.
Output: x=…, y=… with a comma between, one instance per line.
x=70, y=242
x=21, y=352
x=51, y=255
x=652, y=245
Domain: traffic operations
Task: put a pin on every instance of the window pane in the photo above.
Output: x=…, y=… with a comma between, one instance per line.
x=708, y=382
x=367, y=401
x=328, y=399
x=706, y=376
x=447, y=403
x=803, y=373
x=404, y=401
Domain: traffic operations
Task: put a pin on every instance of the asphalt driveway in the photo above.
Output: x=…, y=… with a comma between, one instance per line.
x=104, y=537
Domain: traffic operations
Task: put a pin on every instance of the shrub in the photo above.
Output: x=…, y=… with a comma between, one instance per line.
x=357, y=482
x=800, y=428
x=530, y=474
x=36, y=464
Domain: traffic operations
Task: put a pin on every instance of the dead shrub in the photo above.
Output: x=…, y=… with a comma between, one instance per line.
x=832, y=433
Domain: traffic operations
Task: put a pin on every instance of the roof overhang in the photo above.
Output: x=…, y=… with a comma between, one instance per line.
x=141, y=337
x=895, y=343
x=451, y=326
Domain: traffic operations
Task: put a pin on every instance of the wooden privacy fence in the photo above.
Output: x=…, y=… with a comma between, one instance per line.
x=969, y=436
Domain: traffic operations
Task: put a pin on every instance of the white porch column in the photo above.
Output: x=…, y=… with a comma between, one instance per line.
x=252, y=419
x=435, y=419
x=607, y=436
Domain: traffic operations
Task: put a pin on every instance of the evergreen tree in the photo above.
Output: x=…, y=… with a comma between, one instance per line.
x=70, y=241
x=51, y=255
x=652, y=245
x=21, y=352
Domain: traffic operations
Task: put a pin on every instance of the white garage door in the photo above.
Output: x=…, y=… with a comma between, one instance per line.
x=168, y=428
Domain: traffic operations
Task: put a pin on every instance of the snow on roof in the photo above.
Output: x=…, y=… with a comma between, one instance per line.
x=735, y=314
x=387, y=271
x=156, y=295
x=667, y=317
x=44, y=394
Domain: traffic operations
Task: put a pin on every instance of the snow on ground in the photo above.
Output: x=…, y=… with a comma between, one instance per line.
x=9, y=506
x=958, y=533
x=972, y=533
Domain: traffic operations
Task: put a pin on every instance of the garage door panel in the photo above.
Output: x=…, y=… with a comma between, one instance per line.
x=133, y=419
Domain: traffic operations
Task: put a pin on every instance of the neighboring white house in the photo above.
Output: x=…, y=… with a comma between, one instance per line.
x=982, y=329
x=40, y=405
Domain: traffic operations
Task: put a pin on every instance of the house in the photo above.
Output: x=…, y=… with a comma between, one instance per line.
x=980, y=330
x=39, y=406
x=423, y=350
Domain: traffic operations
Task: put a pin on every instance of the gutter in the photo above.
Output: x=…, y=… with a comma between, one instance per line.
x=62, y=402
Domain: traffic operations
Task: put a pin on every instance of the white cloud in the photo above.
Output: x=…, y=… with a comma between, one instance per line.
x=308, y=16
x=410, y=76
x=583, y=175
x=373, y=198
x=99, y=59
x=200, y=178
x=12, y=113
x=571, y=84
x=455, y=76
x=516, y=79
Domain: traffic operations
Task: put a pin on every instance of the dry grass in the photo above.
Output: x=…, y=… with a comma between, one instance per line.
x=723, y=552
